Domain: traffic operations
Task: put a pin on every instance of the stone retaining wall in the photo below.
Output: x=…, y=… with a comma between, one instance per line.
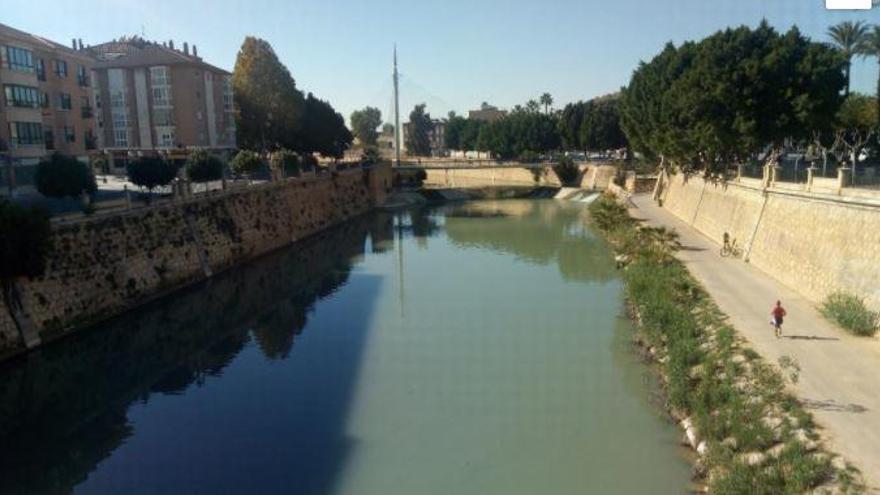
x=100, y=267
x=814, y=243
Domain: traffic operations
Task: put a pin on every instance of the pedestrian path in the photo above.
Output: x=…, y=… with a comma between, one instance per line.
x=840, y=373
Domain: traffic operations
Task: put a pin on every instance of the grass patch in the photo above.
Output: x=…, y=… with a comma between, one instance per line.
x=737, y=402
x=850, y=312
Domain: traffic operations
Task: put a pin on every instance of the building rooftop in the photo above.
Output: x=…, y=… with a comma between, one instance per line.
x=138, y=52
x=33, y=39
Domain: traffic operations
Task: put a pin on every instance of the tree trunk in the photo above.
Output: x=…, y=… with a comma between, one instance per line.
x=846, y=89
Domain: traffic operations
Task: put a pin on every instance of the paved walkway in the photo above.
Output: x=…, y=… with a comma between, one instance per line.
x=840, y=374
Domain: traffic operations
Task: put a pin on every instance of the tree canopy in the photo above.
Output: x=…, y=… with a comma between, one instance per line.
x=364, y=124
x=729, y=96
x=271, y=113
x=592, y=125
x=418, y=142
x=60, y=175
x=323, y=129
x=268, y=106
x=151, y=172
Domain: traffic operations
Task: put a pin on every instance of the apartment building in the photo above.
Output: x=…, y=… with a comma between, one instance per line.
x=152, y=97
x=46, y=103
x=436, y=137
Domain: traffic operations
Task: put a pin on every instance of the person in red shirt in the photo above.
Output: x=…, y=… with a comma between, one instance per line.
x=778, y=314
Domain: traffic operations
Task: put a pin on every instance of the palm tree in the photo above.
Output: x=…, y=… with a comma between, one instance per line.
x=848, y=37
x=533, y=106
x=546, y=100
x=871, y=48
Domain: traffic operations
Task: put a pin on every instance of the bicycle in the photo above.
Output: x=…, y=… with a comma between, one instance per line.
x=730, y=249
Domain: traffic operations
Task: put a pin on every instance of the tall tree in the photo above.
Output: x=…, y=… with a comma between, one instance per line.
x=688, y=104
x=546, y=100
x=849, y=38
x=364, y=123
x=533, y=106
x=323, y=129
x=871, y=48
x=268, y=106
x=418, y=141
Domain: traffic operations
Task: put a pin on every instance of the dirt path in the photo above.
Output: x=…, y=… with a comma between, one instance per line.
x=840, y=374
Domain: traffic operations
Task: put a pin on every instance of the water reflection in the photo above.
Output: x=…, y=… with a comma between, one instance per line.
x=63, y=409
x=535, y=231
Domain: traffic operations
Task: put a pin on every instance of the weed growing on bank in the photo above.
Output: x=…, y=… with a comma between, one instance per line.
x=751, y=434
x=850, y=312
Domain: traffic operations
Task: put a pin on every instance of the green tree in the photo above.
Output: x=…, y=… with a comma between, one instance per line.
x=268, y=106
x=532, y=106
x=849, y=38
x=546, y=100
x=871, y=48
x=246, y=162
x=418, y=141
x=364, y=123
x=61, y=176
x=286, y=161
x=388, y=128
x=323, y=129
x=151, y=172
x=202, y=166
x=455, y=129
x=570, y=124
x=600, y=126
x=688, y=105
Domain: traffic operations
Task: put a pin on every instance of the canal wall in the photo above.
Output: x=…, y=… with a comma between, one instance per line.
x=814, y=242
x=593, y=176
x=102, y=266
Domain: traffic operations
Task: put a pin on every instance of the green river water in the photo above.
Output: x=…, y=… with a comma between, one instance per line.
x=472, y=348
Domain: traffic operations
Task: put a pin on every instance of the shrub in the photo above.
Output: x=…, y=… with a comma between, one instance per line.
x=151, y=172
x=850, y=312
x=246, y=162
x=528, y=156
x=61, y=176
x=566, y=170
x=287, y=161
x=370, y=156
x=201, y=166
x=309, y=163
x=25, y=240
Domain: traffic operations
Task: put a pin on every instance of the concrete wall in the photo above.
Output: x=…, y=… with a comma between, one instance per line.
x=594, y=177
x=814, y=243
x=102, y=266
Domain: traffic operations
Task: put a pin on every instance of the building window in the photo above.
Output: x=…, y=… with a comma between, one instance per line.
x=25, y=133
x=97, y=100
x=117, y=99
x=81, y=77
x=165, y=137
x=61, y=68
x=162, y=96
x=227, y=94
x=49, y=139
x=120, y=119
x=19, y=59
x=120, y=137
x=69, y=134
x=64, y=101
x=21, y=96
x=162, y=117
x=160, y=76
x=44, y=100
x=41, y=69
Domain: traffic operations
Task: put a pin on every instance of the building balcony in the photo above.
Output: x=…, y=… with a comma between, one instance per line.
x=91, y=143
x=82, y=80
x=86, y=112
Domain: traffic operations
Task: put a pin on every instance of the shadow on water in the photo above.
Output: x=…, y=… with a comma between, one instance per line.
x=67, y=407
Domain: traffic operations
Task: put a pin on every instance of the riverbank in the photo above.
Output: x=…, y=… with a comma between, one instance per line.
x=751, y=434
x=107, y=264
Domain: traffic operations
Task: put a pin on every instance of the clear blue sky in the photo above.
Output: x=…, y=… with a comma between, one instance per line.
x=454, y=54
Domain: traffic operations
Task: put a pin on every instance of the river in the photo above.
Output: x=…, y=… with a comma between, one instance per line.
x=472, y=348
